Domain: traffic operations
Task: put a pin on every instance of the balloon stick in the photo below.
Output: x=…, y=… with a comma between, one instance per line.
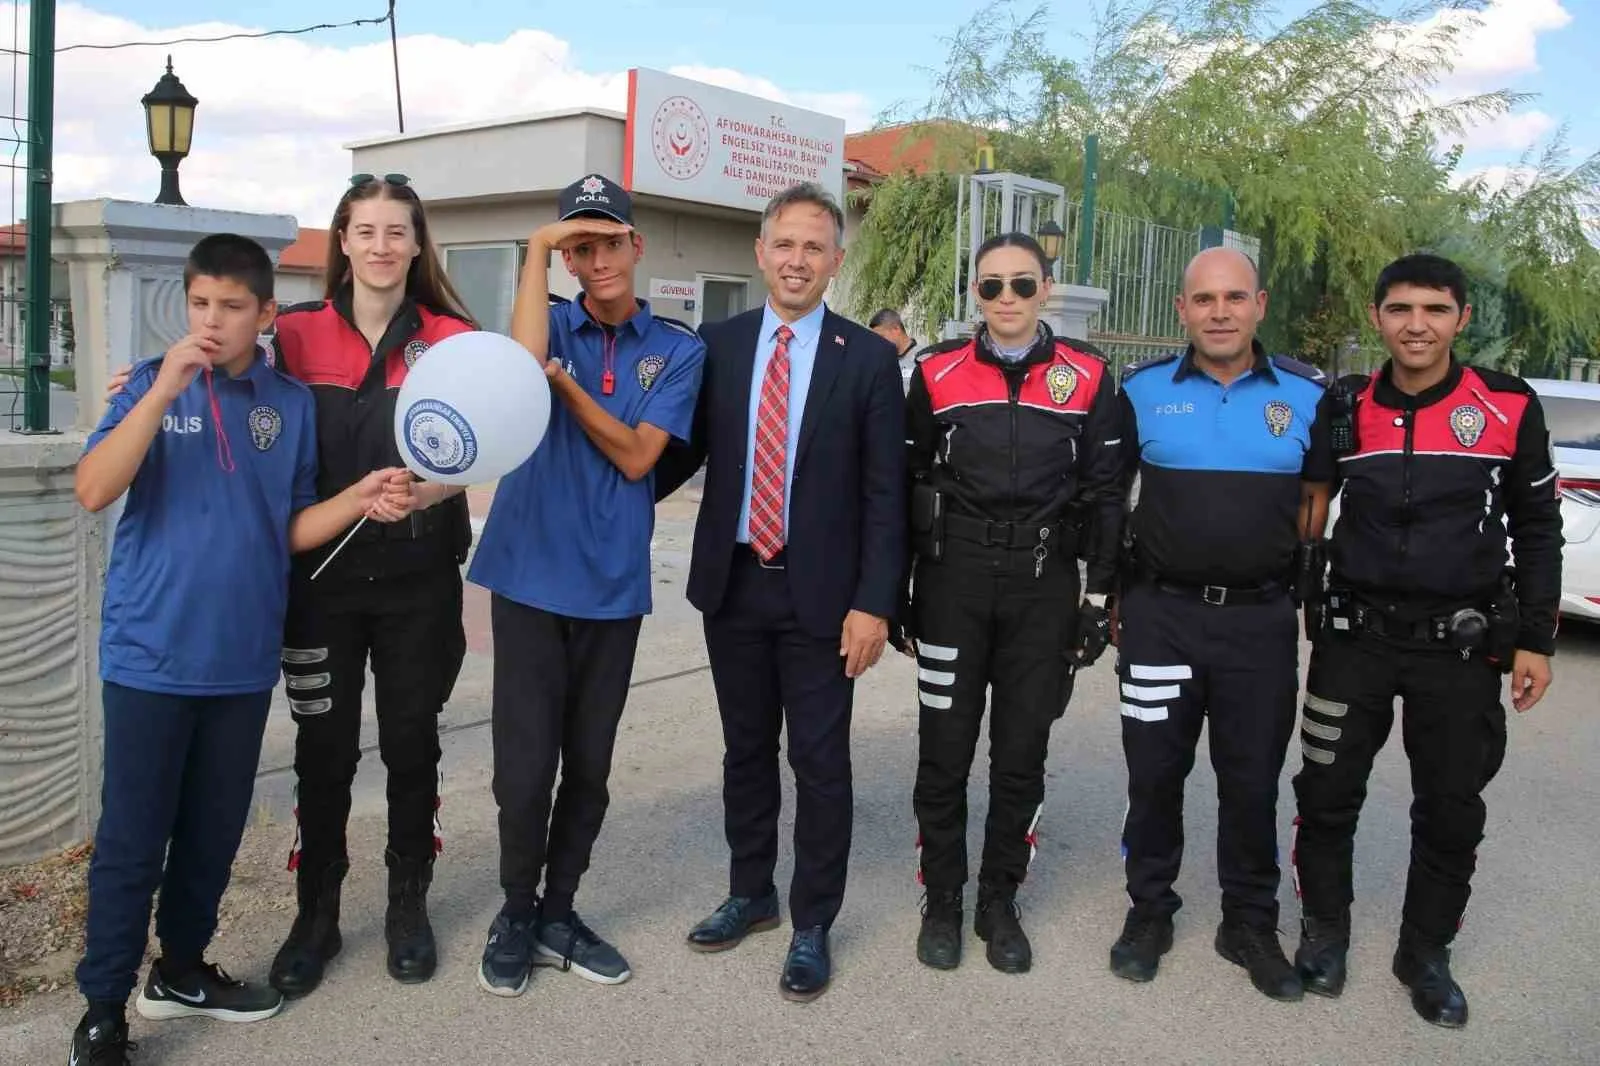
x=342, y=543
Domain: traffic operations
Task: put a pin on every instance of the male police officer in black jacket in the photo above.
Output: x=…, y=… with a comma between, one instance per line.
x=1436, y=460
x=1221, y=438
x=1011, y=448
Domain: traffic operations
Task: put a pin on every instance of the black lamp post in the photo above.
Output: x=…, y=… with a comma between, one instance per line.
x=169, y=126
x=1050, y=237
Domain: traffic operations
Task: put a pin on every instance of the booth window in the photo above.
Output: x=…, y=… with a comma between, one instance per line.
x=486, y=277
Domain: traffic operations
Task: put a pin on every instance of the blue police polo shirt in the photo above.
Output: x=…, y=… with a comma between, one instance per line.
x=198, y=581
x=1220, y=466
x=567, y=533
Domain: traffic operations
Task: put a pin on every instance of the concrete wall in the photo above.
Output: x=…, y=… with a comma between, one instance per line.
x=51, y=556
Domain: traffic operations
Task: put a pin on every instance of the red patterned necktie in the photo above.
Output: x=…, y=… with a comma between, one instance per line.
x=772, y=440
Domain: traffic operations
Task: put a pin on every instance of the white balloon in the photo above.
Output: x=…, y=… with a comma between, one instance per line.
x=472, y=409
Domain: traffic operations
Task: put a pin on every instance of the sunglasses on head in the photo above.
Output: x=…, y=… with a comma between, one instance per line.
x=358, y=180
x=1025, y=287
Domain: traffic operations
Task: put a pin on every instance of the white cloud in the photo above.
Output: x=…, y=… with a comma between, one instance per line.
x=1513, y=132
x=274, y=112
x=1502, y=45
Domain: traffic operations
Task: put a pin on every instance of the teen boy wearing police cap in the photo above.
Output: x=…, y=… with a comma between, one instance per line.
x=1222, y=439
x=566, y=554
x=1438, y=462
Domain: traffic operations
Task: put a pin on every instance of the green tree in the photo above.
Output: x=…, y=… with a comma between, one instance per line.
x=1324, y=129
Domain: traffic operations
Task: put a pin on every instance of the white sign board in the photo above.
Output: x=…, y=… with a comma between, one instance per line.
x=663, y=289
x=693, y=141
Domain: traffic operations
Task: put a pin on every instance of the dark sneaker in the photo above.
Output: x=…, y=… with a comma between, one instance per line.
x=507, y=957
x=1257, y=949
x=571, y=945
x=101, y=1044
x=206, y=993
x=1136, y=956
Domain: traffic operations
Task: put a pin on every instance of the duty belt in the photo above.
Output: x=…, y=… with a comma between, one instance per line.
x=1346, y=606
x=1220, y=595
x=1004, y=534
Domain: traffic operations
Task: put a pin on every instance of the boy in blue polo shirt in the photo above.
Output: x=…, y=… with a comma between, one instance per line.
x=217, y=454
x=566, y=554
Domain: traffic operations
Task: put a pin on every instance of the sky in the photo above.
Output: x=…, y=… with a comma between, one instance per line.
x=274, y=113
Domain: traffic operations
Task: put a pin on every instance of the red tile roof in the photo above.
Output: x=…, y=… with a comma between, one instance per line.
x=910, y=145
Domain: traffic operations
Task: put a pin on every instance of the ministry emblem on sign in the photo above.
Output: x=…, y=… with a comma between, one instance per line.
x=1279, y=416
x=1467, y=423
x=265, y=426
x=650, y=368
x=414, y=351
x=1062, y=381
x=680, y=137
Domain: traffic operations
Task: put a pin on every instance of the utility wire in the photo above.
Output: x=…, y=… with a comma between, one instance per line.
x=225, y=37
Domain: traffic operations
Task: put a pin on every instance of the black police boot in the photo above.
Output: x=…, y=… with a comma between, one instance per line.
x=1257, y=949
x=998, y=922
x=413, y=955
x=1425, y=969
x=1145, y=938
x=314, y=938
x=1320, y=958
x=939, y=943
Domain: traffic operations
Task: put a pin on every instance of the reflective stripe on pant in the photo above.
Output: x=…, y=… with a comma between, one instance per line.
x=1454, y=730
x=1181, y=662
x=986, y=625
x=411, y=628
x=179, y=774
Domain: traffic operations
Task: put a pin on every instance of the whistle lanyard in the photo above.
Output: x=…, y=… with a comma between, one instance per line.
x=608, y=378
x=224, y=449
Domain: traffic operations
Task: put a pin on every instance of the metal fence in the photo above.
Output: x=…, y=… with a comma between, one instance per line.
x=1140, y=264
x=30, y=321
x=13, y=348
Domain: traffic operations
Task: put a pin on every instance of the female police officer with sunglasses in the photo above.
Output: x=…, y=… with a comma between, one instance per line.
x=1014, y=466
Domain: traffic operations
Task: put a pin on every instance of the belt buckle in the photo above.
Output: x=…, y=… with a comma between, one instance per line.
x=1221, y=595
x=766, y=565
x=989, y=539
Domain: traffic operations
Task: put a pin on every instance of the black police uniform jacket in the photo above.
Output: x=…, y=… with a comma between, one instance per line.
x=355, y=386
x=1431, y=488
x=1032, y=441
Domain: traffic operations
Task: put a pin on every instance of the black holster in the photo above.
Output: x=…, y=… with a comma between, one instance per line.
x=1310, y=565
x=927, y=521
x=1505, y=618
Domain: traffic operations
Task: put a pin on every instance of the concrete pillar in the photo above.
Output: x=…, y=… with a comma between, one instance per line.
x=1578, y=368
x=1070, y=309
x=125, y=263
x=125, y=267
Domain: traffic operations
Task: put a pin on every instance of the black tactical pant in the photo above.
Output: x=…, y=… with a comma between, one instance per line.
x=410, y=628
x=1454, y=729
x=1181, y=662
x=986, y=626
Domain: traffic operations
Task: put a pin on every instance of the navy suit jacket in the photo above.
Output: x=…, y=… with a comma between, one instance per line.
x=846, y=541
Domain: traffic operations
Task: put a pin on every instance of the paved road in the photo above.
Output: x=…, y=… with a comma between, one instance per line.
x=659, y=866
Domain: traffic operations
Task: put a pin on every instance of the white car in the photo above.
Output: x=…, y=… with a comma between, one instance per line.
x=1572, y=413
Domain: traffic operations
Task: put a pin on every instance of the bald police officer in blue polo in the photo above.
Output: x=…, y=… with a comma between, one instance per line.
x=1229, y=502
x=566, y=554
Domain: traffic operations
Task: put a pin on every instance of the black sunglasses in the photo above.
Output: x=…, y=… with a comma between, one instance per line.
x=1026, y=287
x=358, y=180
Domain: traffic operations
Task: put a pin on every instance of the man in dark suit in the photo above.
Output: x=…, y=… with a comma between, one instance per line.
x=798, y=553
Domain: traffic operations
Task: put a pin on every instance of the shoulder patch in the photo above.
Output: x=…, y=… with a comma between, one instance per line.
x=1145, y=364
x=677, y=325
x=1500, y=381
x=1299, y=369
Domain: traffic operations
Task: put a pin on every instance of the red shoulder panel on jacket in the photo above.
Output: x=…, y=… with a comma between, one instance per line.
x=1068, y=382
x=316, y=347
x=1474, y=420
x=435, y=328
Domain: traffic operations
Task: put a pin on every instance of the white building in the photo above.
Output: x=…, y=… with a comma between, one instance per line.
x=700, y=163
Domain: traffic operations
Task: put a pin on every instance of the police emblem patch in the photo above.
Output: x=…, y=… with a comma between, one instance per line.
x=413, y=351
x=1467, y=423
x=265, y=426
x=1279, y=415
x=439, y=437
x=1062, y=381
x=650, y=368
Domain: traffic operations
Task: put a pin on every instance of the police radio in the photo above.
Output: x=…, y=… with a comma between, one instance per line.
x=1342, y=418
